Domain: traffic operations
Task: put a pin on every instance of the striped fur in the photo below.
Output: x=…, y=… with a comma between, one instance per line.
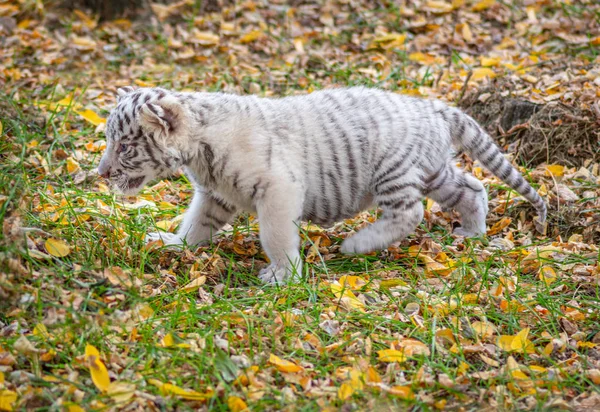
x=321, y=157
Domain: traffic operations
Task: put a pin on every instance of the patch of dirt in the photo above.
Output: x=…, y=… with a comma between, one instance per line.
x=552, y=133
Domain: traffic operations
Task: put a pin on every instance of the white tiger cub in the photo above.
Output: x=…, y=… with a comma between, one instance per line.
x=321, y=157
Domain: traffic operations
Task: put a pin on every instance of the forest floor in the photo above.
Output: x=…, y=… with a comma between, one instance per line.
x=93, y=319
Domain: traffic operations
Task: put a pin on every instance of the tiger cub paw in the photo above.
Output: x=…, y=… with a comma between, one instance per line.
x=275, y=274
x=168, y=239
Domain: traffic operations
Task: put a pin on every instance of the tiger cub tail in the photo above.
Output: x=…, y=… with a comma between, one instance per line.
x=466, y=134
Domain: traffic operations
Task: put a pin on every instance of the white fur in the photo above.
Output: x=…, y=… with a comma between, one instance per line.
x=321, y=157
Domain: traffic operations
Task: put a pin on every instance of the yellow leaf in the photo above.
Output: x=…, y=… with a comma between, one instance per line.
x=345, y=391
x=404, y=392
x=206, y=38
x=90, y=23
x=346, y=296
x=313, y=254
x=195, y=284
x=7, y=399
x=73, y=407
x=462, y=368
x=170, y=389
x=489, y=61
x=555, y=170
x=95, y=147
x=411, y=347
x=391, y=355
x=386, y=38
x=505, y=342
x=483, y=72
x=483, y=329
x=388, y=41
x=97, y=369
x=352, y=282
x=236, y=404
x=41, y=331
x=251, y=36
x=439, y=6
x=57, y=247
x=1, y=377
x=1, y=128
x=483, y=4
x=186, y=393
x=167, y=341
x=283, y=365
x=547, y=275
x=72, y=165
x=421, y=58
x=372, y=376
x=499, y=226
x=99, y=373
x=91, y=117
x=392, y=283
x=356, y=380
x=521, y=343
x=84, y=43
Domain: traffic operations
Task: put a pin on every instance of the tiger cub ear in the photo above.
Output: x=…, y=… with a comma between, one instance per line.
x=166, y=117
x=123, y=91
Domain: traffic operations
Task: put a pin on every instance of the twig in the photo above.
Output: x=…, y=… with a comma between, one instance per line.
x=464, y=88
x=514, y=128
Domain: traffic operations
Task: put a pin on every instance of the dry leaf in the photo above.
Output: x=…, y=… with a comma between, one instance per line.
x=57, y=247
x=283, y=365
x=391, y=355
x=97, y=369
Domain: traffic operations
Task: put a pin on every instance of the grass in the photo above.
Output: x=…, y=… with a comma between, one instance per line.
x=81, y=305
x=445, y=302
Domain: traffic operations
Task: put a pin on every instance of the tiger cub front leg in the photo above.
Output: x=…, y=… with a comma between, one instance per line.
x=205, y=216
x=279, y=211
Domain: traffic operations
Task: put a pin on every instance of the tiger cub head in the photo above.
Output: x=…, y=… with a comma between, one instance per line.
x=145, y=135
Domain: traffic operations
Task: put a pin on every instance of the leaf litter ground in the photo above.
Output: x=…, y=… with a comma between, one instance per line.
x=91, y=318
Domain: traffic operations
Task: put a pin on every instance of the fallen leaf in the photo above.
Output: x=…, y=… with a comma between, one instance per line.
x=391, y=355
x=404, y=392
x=236, y=404
x=483, y=72
x=57, y=247
x=548, y=275
x=555, y=170
x=283, y=365
x=170, y=389
x=251, y=36
x=91, y=117
x=499, y=226
x=195, y=284
x=7, y=399
x=97, y=369
x=120, y=392
x=483, y=4
x=72, y=165
x=345, y=391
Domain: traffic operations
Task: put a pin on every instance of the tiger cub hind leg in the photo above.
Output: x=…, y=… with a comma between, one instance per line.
x=456, y=190
x=400, y=218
